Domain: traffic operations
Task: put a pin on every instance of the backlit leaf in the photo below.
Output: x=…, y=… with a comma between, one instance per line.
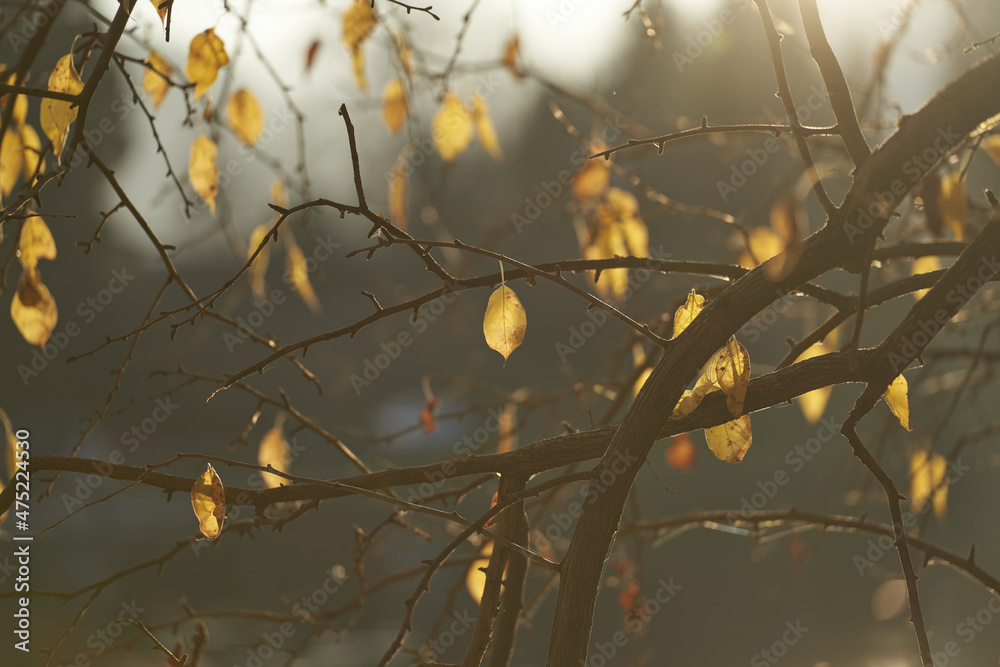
x=36, y=242
x=511, y=56
x=927, y=477
x=359, y=22
x=203, y=171
x=484, y=127
x=925, y=264
x=592, y=181
x=244, y=116
x=505, y=321
x=954, y=205
x=399, y=190
x=161, y=11
x=394, y=106
x=451, y=128
x=154, y=80
x=298, y=273
x=764, y=243
x=206, y=55
x=730, y=441
x=897, y=400
x=685, y=314
x=258, y=270
x=208, y=499
x=275, y=452
x=813, y=403
x=732, y=373
x=992, y=146
x=32, y=146
x=33, y=309
x=691, y=398
x=56, y=116
x=475, y=578
x=11, y=160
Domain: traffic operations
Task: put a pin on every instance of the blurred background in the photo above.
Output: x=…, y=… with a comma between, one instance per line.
x=581, y=69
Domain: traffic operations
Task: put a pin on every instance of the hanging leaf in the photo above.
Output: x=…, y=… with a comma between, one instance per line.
x=206, y=55
x=505, y=322
x=896, y=398
x=927, y=477
x=475, y=578
x=926, y=264
x=20, y=112
x=399, y=195
x=621, y=208
x=33, y=309
x=511, y=56
x=311, y=54
x=162, y=11
x=203, y=172
x=681, y=454
x=813, y=403
x=954, y=205
x=36, y=242
x=991, y=145
x=394, y=106
x=298, y=272
x=275, y=452
x=155, y=79
x=484, y=127
x=32, y=147
x=208, y=499
x=451, y=128
x=732, y=373
x=592, y=180
x=692, y=398
x=56, y=116
x=685, y=314
x=11, y=160
x=244, y=116
x=730, y=441
x=258, y=270
x=359, y=22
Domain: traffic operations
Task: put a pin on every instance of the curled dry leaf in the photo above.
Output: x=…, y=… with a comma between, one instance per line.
x=730, y=441
x=505, y=321
x=451, y=128
x=275, y=452
x=203, y=171
x=36, y=242
x=208, y=499
x=394, y=106
x=731, y=371
x=56, y=116
x=245, y=116
x=33, y=309
x=692, y=398
x=155, y=81
x=685, y=314
x=206, y=55
x=897, y=400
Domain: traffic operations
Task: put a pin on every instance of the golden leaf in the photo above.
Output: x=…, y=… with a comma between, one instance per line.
x=813, y=403
x=258, y=270
x=275, y=452
x=56, y=116
x=36, y=242
x=152, y=81
x=394, y=107
x=730, y=441
x=399, y=195
x=992, y=146
x=475, y=578
x=953, y=203
x=298, y=273
x=897, y=400
x=208, y=499
x=359, y=22
x=608, y=243
x=244, y=116
x=484, y=127
x=32, y=151
x=451, y=128
x=505, y=321
x=203, y=172
x=511, y=54
x=20, y=112
x=206, y=55
x=692, y=398
x=11, y=160
x=927, y=478
x=33, y=309
x=925, y=264
x=763, y=244
x=685, y=314
x=161, y=11
x=592, y=181
x=732, y=373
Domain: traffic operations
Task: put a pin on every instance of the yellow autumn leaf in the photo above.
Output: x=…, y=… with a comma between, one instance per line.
x=244, y=116
x=206, y=55
x=730, y=441
x=359, y=22
x=991, y=145
x=475, y=578
x=36, y=242
x=608, y=243
x=485, y=130
x=33, y=309
x=258, y=270
x=621, y=208
x=451, y=128
x=897, y=400
x=208, y=499
x=162, y=11
x=275, y=452
x=203, y=172
x=394, y=106
x=764, y=243
x=591, y=181
x=692, y=398
x=505, y=321
x=154, y=81
x=927, y=479
x=11, y=160
x=926, y=264
x=56, y=116
x=685, y=314
x=20, y=112
x=298, y=274
x=32, y=146
x=954, y=205
x=732, y=373
x=399, y=195
x=813, y=403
